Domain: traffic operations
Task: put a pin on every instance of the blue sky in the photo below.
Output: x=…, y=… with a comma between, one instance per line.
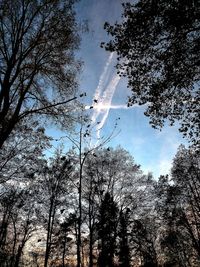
x=152, y=149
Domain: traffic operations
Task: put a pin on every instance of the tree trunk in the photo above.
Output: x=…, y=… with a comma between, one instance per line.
x=79, y=230
x=90, y=232
x=64, y=251
x=48, y=245
x=91, y=249
x=80, y=202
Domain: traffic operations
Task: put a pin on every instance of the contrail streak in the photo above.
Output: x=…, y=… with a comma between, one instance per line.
x=102, y=122
x=103, y=77
x=104, y=95
x=107, y=100
x=105, y=107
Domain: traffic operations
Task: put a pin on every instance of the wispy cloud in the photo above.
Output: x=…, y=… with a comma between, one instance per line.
x=107, y=101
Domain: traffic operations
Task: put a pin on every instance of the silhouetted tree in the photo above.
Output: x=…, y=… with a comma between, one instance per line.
x=38, y=68
x=124, y=250
x=144, y=242
x=107, y=231
x=63, y=239
x=113, y=171
x=81, y=151
x=157, y=44
x=186, y=177
x=80, y=154
x=178, y=205
x=92, y=186
x=175, y=243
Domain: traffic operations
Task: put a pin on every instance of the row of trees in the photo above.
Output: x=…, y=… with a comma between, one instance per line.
x=117, y=216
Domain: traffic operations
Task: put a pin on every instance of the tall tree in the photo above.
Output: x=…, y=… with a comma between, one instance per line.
x=186, y=176
x=79, y=154
x=124, y=249
x=143, y=240
x=157, y=43
x=108, y=214
x=113, y=171
x=38, y=67
x=53, y=185
x=82, y=149
x=175, y=244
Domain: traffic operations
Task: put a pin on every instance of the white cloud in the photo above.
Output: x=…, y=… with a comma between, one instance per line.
x=171, y=142
x=164, y=166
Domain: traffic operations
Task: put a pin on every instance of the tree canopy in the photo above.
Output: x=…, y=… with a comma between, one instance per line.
x=37, y=65
x=157, y=43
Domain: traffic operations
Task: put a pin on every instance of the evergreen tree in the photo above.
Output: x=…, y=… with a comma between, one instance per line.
x=124, y=251
x=107, y=231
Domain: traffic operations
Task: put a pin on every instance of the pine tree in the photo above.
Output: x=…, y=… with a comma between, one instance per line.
x=107, y=231
x=124, y=251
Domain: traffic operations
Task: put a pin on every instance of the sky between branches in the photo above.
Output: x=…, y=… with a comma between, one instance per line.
x=152, y=149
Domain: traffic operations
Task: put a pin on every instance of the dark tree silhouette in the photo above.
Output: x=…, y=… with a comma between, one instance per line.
x=107, y=170
x=62, y=240
x=157, y=43
x=38, y=68
x=144, y=243
x=186, y=177
x=175, y=242
x=124, y=250
x=107, y=231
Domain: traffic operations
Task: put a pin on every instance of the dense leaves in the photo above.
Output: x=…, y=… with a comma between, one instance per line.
x=178, y=206
x=107, y=231
x=157, y=43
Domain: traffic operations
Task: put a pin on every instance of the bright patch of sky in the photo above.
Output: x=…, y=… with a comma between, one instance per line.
x=152, y=149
